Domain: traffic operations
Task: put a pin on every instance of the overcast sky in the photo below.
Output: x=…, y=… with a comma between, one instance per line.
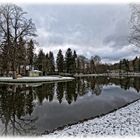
x=89, y=29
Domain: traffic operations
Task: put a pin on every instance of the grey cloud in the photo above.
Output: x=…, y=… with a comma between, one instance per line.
x=91, y=29
x=121, y=32
x=118, y=40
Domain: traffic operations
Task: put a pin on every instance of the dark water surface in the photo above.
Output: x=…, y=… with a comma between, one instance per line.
x=33, y=109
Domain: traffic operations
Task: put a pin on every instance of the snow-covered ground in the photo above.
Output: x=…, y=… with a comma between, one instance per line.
x=35, y=79
x=123, y=122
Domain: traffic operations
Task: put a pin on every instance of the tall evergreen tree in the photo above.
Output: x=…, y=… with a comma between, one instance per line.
x=69, y=61
x=47, y=63
x=60, y=61
x=51, y=67
x=92, y=66
x=139, y=65
x=74, y=61
x=4, y=60
x=21, y=53
x=40, y=60
x=30, y=53
x=35, y=59
x=126, y=65
x=78, y=66
x=120, y=66
x=6, y=52
x=135, y=64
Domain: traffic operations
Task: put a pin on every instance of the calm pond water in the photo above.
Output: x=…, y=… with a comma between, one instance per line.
x=33, y=109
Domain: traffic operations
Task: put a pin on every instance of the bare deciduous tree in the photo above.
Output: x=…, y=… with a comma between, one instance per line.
x=14, y=25
x=134, y=37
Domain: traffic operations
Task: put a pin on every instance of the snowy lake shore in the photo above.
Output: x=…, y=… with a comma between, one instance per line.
x=34, y=79
x=123, y=122
x=130, y=74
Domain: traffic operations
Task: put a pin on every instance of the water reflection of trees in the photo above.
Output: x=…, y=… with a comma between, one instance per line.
x=126, y=83
x=17, y=102
x=45, y=91
x=93, y=85
x=70, y=91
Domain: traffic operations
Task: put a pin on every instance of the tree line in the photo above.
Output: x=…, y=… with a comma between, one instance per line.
x=70, y=63
x=126, y=66
x=47, y=64
x=17, y=44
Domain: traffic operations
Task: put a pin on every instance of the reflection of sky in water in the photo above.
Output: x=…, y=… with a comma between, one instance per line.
x=52, y=115
x=87, y=99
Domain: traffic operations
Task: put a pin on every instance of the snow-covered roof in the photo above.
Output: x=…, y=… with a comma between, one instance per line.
x=35, y=71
